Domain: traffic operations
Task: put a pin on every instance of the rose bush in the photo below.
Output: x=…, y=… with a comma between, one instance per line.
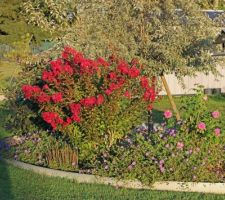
x=91, y=103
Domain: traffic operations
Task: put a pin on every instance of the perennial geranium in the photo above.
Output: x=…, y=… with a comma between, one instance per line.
x=168, y=114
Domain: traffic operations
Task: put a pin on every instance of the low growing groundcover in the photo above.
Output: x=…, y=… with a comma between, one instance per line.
x=19, y=184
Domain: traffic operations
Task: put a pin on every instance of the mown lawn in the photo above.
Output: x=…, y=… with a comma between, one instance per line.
x=18, y=184
x=8, y=70
x=213, y=103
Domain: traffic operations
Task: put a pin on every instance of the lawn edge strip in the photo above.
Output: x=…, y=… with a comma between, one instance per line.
x=215, y=188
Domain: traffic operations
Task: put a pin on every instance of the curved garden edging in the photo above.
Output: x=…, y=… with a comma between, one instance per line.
x=216, y=188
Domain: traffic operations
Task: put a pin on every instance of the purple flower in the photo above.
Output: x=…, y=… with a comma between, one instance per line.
x=161, y=168
x=161, y=162
x=172, y=131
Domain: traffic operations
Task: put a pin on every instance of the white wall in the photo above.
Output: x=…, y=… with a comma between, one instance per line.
x=208, y=81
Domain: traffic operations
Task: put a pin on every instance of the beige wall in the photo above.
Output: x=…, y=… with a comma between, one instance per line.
x=208, y=81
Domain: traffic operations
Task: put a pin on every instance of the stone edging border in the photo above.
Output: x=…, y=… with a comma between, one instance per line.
x=216, y=188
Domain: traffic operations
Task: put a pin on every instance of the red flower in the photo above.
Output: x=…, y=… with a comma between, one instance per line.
x=78, y=58
x=100, y=99
x=57, y=97
x=52, y=118
x=134, y=72
x=88, y=66
x=43, y=98
x=150, y=107
x=149, y=94
x=67, y=122
x=75, y=108
x=108, y=92
x=120, y=81
x=56, y=66
x=68, y=51
x=112, y=76
x=75, y=118
x=144, y=82
x=127, y=94
x=123, y=67
x=48, y=76
x=88, y=102
x=114, y=86
x=102, y=62
x=30, y=91
x=45, y=87
x=68, y=69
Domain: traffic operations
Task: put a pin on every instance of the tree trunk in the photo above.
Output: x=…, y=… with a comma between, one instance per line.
x=215, y=4
x=174, y=107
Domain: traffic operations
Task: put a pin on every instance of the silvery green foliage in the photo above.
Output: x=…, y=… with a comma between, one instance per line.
x=50, y=15
x=166, y=35
x=169, y=36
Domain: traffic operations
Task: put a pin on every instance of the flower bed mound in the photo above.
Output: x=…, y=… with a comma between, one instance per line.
x=83, y=115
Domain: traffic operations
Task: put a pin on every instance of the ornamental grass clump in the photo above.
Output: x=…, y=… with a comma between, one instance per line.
x=91, y=103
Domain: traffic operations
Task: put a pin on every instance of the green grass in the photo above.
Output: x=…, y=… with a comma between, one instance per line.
x=213, y=103
x=8, y=70
x=4, y=112
x=18, y=184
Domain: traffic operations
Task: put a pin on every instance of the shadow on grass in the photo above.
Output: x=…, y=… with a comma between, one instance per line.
x=5, y=183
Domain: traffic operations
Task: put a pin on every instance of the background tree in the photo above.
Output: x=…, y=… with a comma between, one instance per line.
x=212, y=4
x=16, y=35
x=166, y=35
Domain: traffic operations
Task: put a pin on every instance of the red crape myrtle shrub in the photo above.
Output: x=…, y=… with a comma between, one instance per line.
x=93, y=103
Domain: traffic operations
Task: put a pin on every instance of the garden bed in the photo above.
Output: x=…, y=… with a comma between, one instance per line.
x=216, y=188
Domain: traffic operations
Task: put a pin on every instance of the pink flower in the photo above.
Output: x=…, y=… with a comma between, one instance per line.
x=168, y=114
x=217, y=132
x=180, y=145
x=216, y=114
x=201, y=126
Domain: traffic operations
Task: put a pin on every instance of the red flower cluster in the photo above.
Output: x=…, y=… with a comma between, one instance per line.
x=30, y=91
x=57, y=97
x=100, y=99
x=75, y=108
x=39, y=95
x=83, y=65
x=115, y=85
x=72, y=66
x=52, y=118
x=43, y=98
x=134, y=72
x=150, y=93
x=124, y=69
x=127, y=94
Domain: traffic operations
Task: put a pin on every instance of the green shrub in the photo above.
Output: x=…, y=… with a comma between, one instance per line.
x=90, y=103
